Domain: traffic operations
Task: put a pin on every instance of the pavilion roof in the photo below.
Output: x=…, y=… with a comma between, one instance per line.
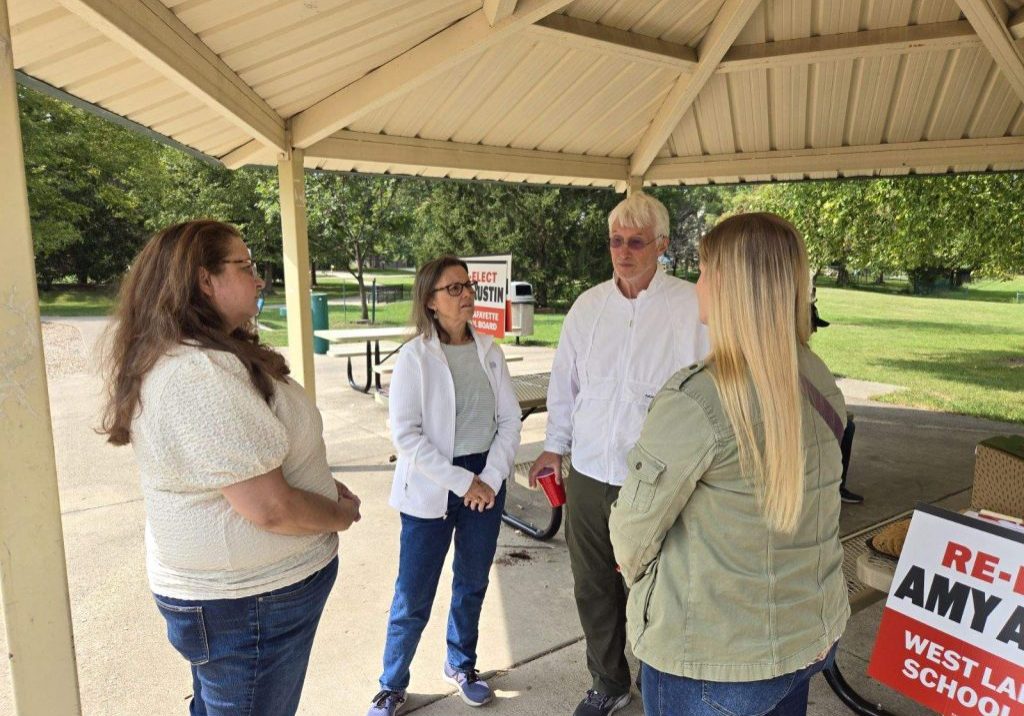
x=590, y=92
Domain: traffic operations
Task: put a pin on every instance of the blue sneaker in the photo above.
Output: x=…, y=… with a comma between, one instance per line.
x=472, y=689
x=387, y=703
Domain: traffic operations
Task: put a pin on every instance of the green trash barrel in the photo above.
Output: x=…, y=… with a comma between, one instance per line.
x=319, y=301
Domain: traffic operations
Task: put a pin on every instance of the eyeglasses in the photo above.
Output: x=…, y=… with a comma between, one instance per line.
x=253, y=268
x=455, y=289
x=633, y=244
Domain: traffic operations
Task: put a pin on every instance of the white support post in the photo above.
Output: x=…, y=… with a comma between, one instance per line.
x=291, y=177
x=33, y=574
x=634, y=183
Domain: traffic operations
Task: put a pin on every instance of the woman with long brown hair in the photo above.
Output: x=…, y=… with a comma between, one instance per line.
x=727, y=528
x=242, y=511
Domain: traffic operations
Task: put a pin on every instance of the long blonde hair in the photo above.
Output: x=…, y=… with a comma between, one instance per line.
x=759, y=315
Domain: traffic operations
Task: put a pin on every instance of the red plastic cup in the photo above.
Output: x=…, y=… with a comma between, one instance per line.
x=553, y=490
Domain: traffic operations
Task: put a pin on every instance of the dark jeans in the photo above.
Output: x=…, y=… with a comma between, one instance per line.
x=846, y=447
x=598, y=587
x=786, y=695
x=423, y=547
x=249, y=655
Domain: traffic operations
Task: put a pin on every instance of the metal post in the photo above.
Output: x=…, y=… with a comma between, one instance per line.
x=33, y=573
x=373, y=318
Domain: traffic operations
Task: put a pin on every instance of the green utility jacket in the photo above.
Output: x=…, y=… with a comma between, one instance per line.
x=715, y=593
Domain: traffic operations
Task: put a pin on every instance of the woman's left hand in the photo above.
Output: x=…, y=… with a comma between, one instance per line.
x=479, y=496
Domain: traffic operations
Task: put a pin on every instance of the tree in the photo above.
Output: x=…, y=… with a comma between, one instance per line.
x=89, y=184
x=351, y=219
x=692, y=211
x=556, y=235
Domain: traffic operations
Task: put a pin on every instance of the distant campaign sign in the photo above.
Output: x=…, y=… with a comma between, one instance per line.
x=492, y=274
x=952, y=632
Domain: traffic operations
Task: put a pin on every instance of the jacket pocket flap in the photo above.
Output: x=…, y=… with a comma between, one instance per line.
x=645, y=466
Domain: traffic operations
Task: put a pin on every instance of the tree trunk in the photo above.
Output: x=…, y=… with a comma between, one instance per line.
x=268, y=278
x=365, y=311
x=880, y=279
x=842, y=276
x=312, y=273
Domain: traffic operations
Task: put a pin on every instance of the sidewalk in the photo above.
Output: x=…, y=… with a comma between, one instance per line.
x=530, y=635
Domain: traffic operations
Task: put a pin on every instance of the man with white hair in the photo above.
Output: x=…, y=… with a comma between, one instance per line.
x=620, y=342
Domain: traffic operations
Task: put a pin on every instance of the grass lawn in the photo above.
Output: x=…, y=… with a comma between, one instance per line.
x=77, y=301
x=959, y=356
x=959, y=351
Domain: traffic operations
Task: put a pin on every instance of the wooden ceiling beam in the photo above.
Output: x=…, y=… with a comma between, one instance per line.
x=989, y=20
x=155, y=35
x=630, y=46
x=726, y=26
x=498, y=10
x=451, y=156
x=946, y=153
x=850, y=46
x=467, y=38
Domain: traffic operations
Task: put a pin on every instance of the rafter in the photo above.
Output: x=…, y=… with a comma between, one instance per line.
x=498, y=10
x=911, y=155
x=989, y=21
x=851, y=45
x=719, y=38
x=412, y=154
x=466, y=38
x=155, y=35
x=630, y=46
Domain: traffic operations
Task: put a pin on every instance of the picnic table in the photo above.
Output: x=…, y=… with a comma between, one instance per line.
x=372, y=337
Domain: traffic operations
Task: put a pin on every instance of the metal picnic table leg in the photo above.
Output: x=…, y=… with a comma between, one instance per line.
x=538, y=533
x=854, y=701
x=369, y=371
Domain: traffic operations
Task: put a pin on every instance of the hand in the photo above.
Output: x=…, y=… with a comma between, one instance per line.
x=546, y=459
x=479, y=496
x=348, y=499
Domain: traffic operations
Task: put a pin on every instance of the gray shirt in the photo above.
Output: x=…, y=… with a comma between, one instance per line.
x=475, y=425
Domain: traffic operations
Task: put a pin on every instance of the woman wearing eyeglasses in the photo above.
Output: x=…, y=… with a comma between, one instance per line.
x=242, y=511
x=455, y=423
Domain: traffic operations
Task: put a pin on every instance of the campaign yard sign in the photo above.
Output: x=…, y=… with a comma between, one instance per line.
x=492, y=274
x=952, y=632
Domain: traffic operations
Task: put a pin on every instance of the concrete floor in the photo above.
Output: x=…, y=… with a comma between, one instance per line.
x=530, y=635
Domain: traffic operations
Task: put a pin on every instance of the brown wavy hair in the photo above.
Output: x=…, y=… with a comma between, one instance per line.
x=160, y=305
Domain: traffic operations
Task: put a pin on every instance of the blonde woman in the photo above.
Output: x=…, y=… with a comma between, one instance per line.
x=726, y=529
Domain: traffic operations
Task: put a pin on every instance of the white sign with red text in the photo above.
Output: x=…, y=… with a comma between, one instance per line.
x=492, y=274
x=952, y=632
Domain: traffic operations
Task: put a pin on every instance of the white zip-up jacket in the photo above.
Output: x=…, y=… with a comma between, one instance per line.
x=613, y=356
x=421, y=403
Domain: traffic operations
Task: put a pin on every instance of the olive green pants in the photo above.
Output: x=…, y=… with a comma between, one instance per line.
x=600, y=592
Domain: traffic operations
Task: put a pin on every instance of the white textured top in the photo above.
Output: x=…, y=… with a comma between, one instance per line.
x=203, y=426
x=613, y=356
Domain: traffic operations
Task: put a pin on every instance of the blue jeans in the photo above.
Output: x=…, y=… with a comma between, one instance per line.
x=786, y=695
x=249, y=655
x=423, y=547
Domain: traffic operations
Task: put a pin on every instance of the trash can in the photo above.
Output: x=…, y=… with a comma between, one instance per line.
x=521, y=305
x=319, y=301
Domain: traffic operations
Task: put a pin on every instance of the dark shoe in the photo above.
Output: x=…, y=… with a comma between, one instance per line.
x=850, y=498
x=387, y=703
x=472, y=689
x=598, y=704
